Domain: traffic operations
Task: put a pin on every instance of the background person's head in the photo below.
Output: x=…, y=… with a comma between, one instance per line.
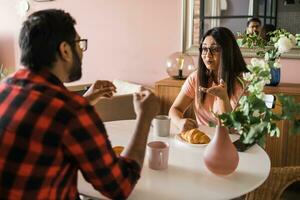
x=267, y=28
x=254, y=26
x=220, y=56
x=42, y=36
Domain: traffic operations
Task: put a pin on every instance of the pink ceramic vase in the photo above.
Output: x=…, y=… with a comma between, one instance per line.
x=220, y=155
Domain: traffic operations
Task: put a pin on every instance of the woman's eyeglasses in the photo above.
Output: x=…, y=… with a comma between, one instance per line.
x=83, y=43
x=213, y=50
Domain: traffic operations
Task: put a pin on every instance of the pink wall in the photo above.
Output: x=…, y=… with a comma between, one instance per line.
x=7, y=50
x=9, y=26
x=128, y=40
x=290, y=71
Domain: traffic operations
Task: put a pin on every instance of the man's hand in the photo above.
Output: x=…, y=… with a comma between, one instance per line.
x=186, y=124
x=99, y=89
x=146, y=103
x=146, y=106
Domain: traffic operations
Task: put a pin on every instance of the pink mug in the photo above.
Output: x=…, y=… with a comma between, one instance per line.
x=158, y=155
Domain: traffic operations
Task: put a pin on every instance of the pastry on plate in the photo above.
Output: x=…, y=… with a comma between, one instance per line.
x=195, y=136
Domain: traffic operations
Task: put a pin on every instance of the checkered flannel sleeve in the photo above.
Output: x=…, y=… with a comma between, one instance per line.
x=88, y=144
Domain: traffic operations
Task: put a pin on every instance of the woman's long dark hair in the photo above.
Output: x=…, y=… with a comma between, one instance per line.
x=232, y=62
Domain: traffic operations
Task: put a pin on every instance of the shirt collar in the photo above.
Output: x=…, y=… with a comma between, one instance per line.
x=43, y=76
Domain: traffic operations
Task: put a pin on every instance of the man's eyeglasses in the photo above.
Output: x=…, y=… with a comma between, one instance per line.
x=213, y=50
x=83, y=43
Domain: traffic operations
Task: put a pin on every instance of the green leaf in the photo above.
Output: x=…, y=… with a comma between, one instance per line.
x=264, y=73
x=295, y=127
x=261, y=141
x=274, y=130
x=255, y=132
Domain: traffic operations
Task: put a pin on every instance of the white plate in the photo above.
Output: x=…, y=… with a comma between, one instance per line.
x=178, y=138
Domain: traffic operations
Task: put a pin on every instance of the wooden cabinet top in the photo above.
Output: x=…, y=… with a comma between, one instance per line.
x=170, y=82
x=285, y=88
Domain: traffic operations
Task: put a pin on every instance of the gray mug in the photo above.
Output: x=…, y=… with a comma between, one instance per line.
x=161, y=125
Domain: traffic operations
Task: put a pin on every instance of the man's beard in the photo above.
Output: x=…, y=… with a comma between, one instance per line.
x=76, y=70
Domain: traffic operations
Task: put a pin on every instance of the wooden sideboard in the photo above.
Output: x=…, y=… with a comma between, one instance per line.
x=283, y=151
x=167, y=91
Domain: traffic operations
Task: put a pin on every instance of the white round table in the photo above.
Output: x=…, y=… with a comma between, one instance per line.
x=186, y=176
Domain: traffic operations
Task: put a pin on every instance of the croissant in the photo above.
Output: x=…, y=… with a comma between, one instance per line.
x=194, y=136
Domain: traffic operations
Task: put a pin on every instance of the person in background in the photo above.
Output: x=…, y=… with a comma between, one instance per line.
x=48, y=133
x=267, y=28
x=214, y=88
x=253, y=26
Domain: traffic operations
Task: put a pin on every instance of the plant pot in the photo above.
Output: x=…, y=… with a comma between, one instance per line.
x=221, y=156
x=275, y=77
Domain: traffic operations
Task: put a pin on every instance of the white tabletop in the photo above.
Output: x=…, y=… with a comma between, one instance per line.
x=186, y=176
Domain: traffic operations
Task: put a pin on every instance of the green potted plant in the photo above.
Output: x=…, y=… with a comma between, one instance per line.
x=281, y=41
x=252, y=118
x=250, y=40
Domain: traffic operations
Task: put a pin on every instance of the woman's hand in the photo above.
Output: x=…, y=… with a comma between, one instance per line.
x=186, y=124
x=99, y=89
x=218, y=91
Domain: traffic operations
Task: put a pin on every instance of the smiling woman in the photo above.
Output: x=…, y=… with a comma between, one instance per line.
x=199, y=17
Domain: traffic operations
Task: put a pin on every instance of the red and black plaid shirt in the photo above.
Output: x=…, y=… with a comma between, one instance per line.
x=46, y=134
